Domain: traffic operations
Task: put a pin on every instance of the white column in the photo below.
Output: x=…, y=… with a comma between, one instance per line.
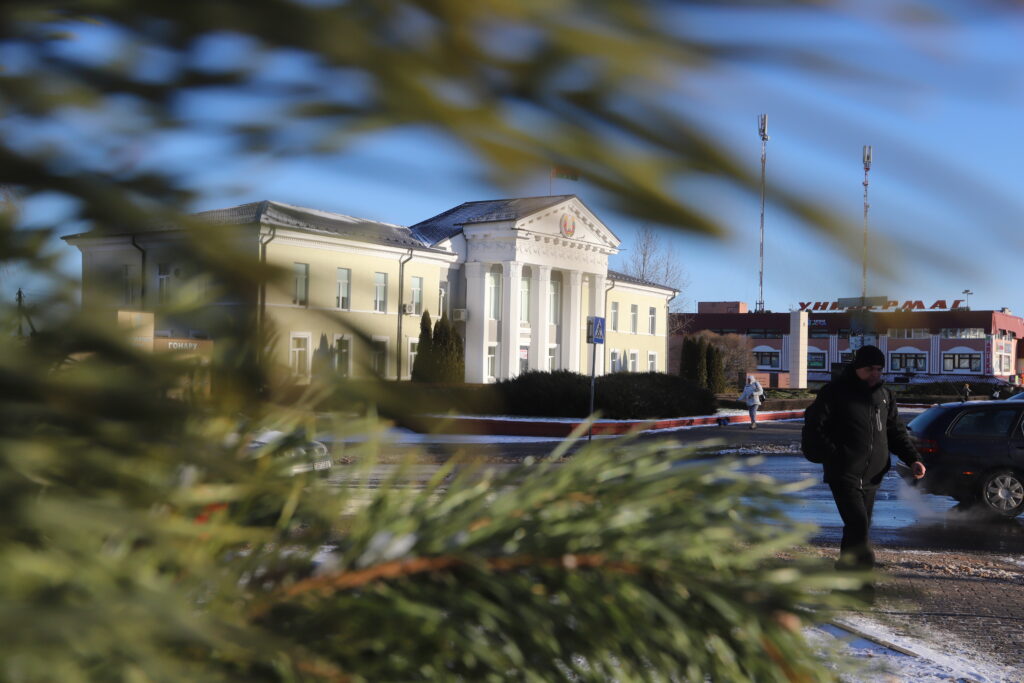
x=798, y=350
x=572, y=320
x=540, y=303
x=476, y=322
x=512, y=271
x=597, y=309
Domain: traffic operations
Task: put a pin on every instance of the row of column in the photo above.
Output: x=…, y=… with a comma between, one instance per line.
x=572, y=321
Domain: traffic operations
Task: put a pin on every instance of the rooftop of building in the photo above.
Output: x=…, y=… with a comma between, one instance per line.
x=450, y=223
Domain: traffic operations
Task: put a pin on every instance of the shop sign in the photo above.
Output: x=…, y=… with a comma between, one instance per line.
x=196, y=347
x=891, y=305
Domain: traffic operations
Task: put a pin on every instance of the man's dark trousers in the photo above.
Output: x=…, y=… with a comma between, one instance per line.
x=855, y=504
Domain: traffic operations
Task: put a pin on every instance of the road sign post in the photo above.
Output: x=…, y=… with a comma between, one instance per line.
x=595, y=336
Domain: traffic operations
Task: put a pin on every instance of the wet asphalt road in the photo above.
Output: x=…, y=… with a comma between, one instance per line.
x=903, y=517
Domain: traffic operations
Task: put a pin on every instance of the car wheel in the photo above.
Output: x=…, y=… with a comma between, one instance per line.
x=1002, y=492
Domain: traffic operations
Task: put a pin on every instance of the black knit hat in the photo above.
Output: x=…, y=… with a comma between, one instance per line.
x=868, y=355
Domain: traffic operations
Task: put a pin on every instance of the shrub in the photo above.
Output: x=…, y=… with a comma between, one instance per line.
x=423, y=369
x=546, y=394
x=620, y=395
x=944, y=388
x=647, y=395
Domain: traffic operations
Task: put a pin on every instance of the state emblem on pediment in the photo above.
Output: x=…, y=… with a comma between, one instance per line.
x=567, y=225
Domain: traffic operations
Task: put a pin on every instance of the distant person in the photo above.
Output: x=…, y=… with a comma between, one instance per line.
x=752, y=392
x=851, y=428
x=967, y=391
x=996, y=393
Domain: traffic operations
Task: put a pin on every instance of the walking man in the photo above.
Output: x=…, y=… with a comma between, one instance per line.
x=850, y=428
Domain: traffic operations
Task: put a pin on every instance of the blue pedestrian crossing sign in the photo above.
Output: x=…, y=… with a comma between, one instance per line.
x=595, y=330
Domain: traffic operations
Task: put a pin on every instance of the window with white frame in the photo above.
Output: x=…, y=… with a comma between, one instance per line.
x=380, y=292
x=960, y=362
x=417, y=295
x=524, y=296
x=442, y=298
x=909, y=333
x=342, y=298
x=634, y=317
x=298, y=354
x=379, y=356
x=555, y=302
x=342, y=355
x=963, y=333
x=553, y=358
x=492, y=361
x=908, y=362
x=615, y=316
x=816, y=360
x=129, y=285
x=414, y=345
x=614, y=361
x=300, y=294
x=652, y=361
x=163, y=283
x=634, y=361
x=767, y=359
x=652, y=320
x=494, y=293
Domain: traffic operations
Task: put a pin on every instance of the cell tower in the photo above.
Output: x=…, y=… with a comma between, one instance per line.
x=762, y=130
x=864, y=273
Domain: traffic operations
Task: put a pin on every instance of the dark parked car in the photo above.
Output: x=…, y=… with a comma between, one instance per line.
x=974, y=452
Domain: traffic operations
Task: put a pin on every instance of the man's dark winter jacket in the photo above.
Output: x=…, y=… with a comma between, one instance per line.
x=853, y=427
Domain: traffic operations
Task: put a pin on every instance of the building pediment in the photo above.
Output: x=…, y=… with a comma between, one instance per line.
x=570, y=222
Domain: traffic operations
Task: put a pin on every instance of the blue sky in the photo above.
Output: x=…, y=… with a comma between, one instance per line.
x=942, y=104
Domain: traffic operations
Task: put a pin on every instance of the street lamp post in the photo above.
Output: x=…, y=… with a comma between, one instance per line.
x=967, y=298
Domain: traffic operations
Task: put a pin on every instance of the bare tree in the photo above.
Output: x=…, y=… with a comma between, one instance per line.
x=652, y=259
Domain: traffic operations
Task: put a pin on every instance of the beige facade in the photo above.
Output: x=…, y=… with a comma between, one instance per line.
x=518, y=278
x=637, y=324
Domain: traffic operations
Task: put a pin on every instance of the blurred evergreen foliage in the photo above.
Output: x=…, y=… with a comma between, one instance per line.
x=144, y=539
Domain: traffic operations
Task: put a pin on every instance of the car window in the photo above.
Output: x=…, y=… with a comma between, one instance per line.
x=922, y=422
x=992, y=422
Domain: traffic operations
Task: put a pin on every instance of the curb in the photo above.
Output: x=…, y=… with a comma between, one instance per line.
x=507, y=427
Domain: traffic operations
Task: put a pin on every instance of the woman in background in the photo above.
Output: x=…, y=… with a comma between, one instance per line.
x=752, y=395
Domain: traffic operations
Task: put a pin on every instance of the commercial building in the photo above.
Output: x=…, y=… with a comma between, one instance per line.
x=922, y=343
x=517, y=277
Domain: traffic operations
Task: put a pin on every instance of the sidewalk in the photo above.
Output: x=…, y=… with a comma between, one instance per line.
x=964, y=611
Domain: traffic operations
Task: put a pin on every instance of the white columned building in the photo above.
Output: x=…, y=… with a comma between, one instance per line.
x=517, y=278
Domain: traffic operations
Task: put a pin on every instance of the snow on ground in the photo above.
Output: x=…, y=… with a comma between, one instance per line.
x=886, y=665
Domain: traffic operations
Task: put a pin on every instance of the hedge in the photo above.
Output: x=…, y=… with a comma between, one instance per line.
x=619, y=396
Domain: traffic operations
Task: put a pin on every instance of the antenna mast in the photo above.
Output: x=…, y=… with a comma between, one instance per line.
x=864, y=274
x=762, y=130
